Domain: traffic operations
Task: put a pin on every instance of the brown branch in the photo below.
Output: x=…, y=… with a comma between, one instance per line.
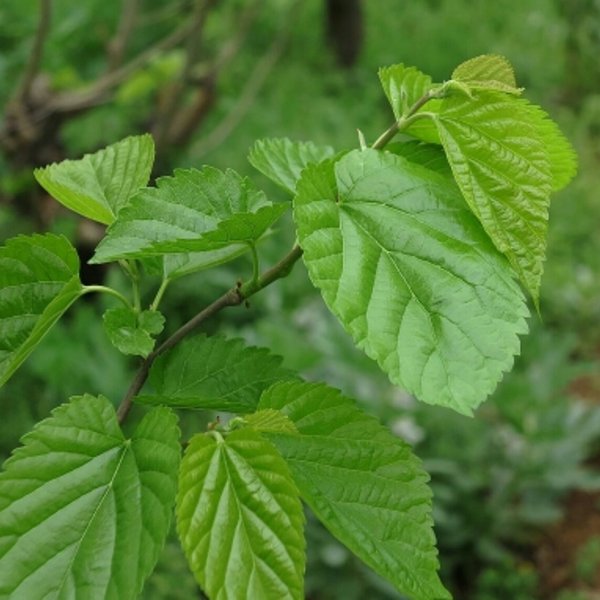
x=37, y=50
x=118, y=45
x=253, y=86
x=233, y=297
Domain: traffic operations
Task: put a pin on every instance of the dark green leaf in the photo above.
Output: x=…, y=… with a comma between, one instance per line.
x=213, y=372
x=132, y=333
x=430, y=156
x=84, y=512
x=240, y=519
x=39, y=280
x=282, y=160
x=412, y=276
x=99, y=185
x=180, y=212
x=363, y=483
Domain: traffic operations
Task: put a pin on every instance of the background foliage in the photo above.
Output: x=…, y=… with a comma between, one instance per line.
x=503, y=480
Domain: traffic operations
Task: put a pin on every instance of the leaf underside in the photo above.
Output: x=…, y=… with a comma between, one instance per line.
x=213, y=373
x=84, y=512
x=240, y=519
x=98, y=185
x=39, y=280
x=411, y=275
x=362, y=482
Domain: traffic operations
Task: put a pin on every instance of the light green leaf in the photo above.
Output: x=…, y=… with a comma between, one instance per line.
x=84, y=512
x=240, y=519
x=363, y=483
x=403, y=86
x=411, y=275
x=39, y=280
x=180, y=212
x=131, y=332
x=270, y=420
x=100, y=184
x=487, y=72
x=503, y=169
x=430, y=156
x=213, y=373
x=282, y=160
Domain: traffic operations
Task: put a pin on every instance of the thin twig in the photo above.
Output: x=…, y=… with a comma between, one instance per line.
x=37, y=50
x=246, y=99
x=233, y=297
x=118, y=45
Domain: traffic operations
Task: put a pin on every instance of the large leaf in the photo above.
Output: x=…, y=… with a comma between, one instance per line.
x=282, y=160
x=191, y=210
x=364, y=484
x=487, y=72
x=240, y=519
x=83, y=511
x=430, y=156
x=409, y=272
x=39, y=280
x=213, y=373
x=502, y=167
x=99, y=185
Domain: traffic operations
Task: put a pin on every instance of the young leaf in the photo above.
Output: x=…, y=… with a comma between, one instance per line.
x=84, y=512
x=99, y=185
x=270, y=420
x=487, y=72
x=130, y=332
x=403, y=86
x=39, y=280
x=363, y=483
x=411, y=275
x=213, y=372
x=282, y=160
x=502, y=167
x=181, y=211
x=240, y=519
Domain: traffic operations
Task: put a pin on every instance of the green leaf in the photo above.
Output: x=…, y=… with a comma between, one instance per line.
x=403, y=86
x=84, y=512
x=429, y=156
x=99, y=185
x=282, y=160
x=411, y=275
x=213, y=373
x=131, y=332
x=39, y=280
x=487, y=72
x=270, y=420
x=181, y=211
x=363, y=483
x=503, y=169
x=240, y=519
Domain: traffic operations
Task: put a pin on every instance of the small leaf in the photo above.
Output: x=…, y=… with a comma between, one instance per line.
x=503, y=170
x=282, y=160
x=411, y=275
x=130, y=332
x=270, y=420
x=240, y=519
x=488, y=72
x=403, y=86
x=364, y=484
x=39, y=280
x=213, y=373
x=84, y=512
x=99, y=185
x=180, y=212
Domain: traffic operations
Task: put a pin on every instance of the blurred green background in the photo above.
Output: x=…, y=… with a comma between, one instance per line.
x=517, y=506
